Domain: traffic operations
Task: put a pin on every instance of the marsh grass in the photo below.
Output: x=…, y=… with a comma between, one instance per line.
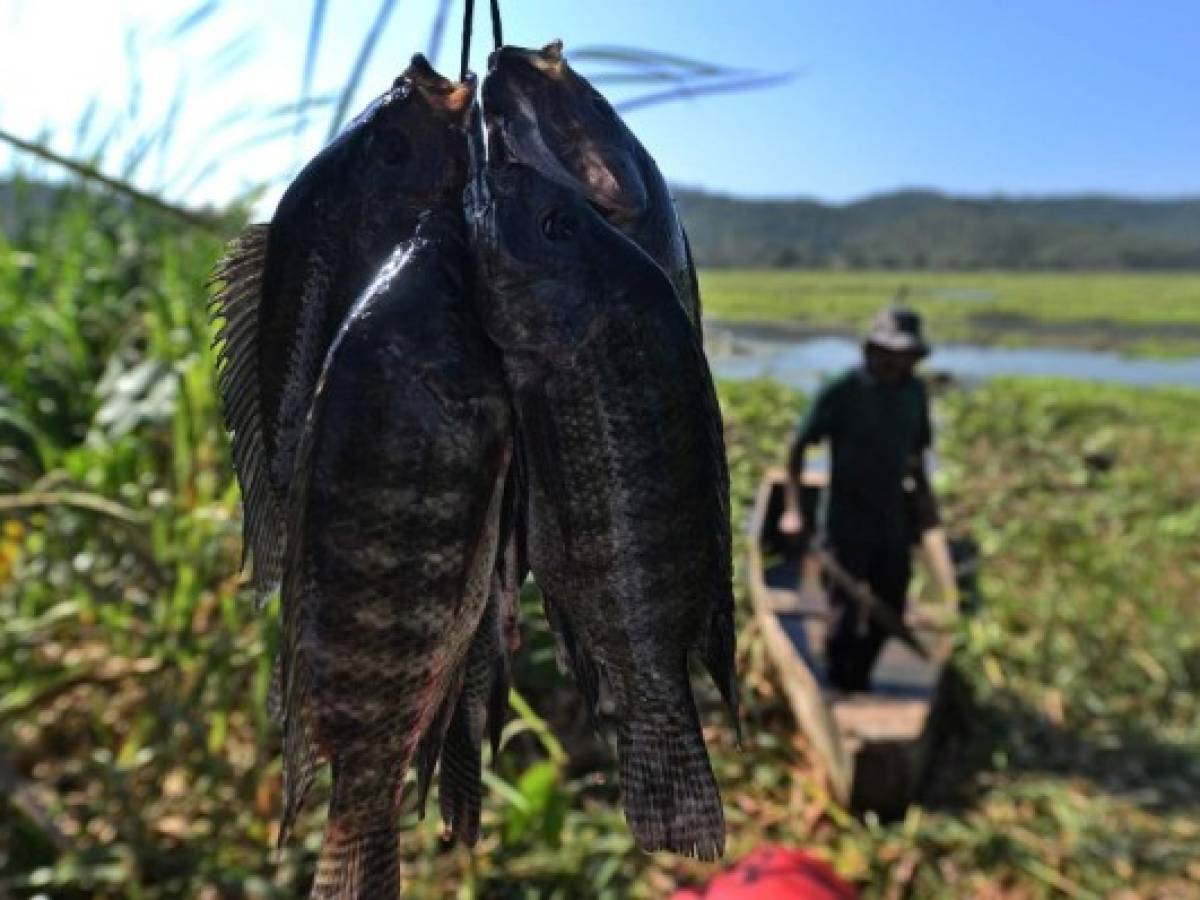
x=137, y=753
x=1145, y=313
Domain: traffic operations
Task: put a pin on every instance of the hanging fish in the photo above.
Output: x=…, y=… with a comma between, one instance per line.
x=627, y=524
x=285, y=287
x=540, y=112
x=543, y=113
x=392, y=532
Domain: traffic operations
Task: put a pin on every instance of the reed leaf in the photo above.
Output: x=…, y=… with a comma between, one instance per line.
x=694, y=89
x=316, y=29
x=370, y=40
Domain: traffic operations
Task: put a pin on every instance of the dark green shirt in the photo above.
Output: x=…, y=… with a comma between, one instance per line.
x=874, y=431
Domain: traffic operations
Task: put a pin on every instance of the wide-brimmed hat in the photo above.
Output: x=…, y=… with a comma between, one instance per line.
x=897, y=328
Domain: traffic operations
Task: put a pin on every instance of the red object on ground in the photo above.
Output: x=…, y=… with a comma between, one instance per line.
x=774, y=873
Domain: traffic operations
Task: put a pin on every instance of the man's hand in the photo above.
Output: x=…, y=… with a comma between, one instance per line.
x=791, y=522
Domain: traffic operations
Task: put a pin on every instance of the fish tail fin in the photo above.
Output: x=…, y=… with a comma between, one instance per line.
x=358, y=865
x=667, y=785
x=719, y=657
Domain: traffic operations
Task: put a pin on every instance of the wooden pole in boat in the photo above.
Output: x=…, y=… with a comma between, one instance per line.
x=861, y=594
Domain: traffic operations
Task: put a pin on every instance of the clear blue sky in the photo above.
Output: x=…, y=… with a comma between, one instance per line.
x=1019, y=97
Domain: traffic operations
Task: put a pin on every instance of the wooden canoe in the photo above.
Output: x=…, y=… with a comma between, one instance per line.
x=874, y=747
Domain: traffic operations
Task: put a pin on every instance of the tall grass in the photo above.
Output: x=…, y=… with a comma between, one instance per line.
x=137, y=758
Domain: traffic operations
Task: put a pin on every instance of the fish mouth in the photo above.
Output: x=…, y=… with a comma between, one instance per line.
x=549, y=59
x=453, y=97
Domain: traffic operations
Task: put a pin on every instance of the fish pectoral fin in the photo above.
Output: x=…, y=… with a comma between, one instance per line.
x=293, y=689
x=572, y=655
x=237, y=280
x=542, y=455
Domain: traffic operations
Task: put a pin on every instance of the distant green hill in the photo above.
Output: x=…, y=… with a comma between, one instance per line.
x=927, y=230
x=901, y=230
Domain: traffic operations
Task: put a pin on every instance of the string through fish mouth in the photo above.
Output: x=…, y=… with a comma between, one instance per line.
x=497, y=28
x=468, y=27
x=468, y=19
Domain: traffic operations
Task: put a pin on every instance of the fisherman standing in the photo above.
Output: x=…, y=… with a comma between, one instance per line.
x=876, y=419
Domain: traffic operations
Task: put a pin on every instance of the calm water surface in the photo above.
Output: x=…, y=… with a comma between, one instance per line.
x=803, y=362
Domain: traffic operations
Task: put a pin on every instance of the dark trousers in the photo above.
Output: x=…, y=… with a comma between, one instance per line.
x=854, y=640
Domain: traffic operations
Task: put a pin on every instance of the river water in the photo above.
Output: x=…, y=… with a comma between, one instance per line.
x=802, y=362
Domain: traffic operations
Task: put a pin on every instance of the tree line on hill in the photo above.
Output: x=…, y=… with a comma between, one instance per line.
x=901, y=230
x=927, y=230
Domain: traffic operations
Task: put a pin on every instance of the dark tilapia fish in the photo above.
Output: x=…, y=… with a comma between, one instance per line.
x=285, y=287
x=627, y=522
x=393, y=525
x=543, y=113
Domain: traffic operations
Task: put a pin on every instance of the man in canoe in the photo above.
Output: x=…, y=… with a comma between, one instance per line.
x=876, y=419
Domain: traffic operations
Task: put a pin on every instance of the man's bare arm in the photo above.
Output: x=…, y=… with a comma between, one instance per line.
x=792, y=520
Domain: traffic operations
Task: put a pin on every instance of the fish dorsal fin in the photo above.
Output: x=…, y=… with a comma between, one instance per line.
x=237, y=282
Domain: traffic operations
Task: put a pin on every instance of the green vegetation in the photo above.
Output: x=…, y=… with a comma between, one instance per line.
x=927, y=230
x=137, y=760
x=1145, y=312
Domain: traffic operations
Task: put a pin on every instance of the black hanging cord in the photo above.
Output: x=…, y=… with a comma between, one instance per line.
x=497, y=30
x=468, y=18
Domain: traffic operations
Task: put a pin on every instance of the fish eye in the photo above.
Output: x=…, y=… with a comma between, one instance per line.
x=558, y=226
